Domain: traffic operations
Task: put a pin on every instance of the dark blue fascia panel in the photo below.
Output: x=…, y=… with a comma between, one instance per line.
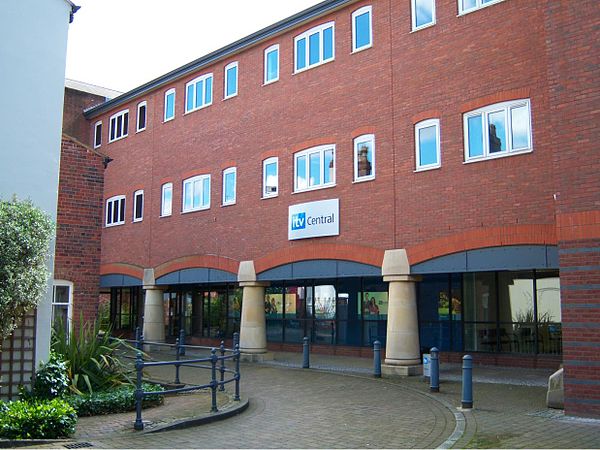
x=514, y=257
x=220, y=276
x=354, y=269
x=198, y=275
x=278, y=273
x=322, y=268
x=117, y=280
x=170, y=278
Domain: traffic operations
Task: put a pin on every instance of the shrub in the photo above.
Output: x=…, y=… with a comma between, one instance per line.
x=42, y=419
x=117, y=400
x=51, y=379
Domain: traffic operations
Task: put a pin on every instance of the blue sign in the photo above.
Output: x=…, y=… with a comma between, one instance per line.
x=299, y=221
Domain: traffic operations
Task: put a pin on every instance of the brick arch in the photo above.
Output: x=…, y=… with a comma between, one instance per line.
x=122, y=269
x=305, y=252
x=536, y=234
x=197, y=261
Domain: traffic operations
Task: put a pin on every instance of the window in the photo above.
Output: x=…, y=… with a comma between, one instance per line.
x=314, y=47
x=498, y=130
x=364, y=158
x=427, y=144
x=423, y=13
x=196, y=193
x=229, y=186
x=115, y=211
x=198, y=93
x=166, y=205
x=62, y=306
x=231, y=80
x=362, y=32
x=465, y=6
x=119, y=125
x=97, y=134
x=138, y=206
x=314, y=168
x=272, y=64
x=141, y=116
x=169, y=104
x=270, y=177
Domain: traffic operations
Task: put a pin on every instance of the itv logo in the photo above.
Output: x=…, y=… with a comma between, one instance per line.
x=299, y=221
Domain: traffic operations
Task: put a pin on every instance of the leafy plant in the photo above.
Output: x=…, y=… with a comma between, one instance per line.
x=121, y=399
x=42, y=419
x=25, y=233
x=92, y=358
x=51, y=379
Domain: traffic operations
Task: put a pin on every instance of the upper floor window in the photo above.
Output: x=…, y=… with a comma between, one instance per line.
x=231, y=80
x=141, y=116
x=119, y=125
x=270, y=177
x=427, y=144
x=138, y=206
x=229, y=186
x=364, y=158
x=314, y=47
x=166, y=203
x=272, y=64
x=169, y=104
x=465, y=6
x=198, y=93
x=98, y=134
x=498, y=130
x=362, y=31
x=115, y=210
x=423, y=13
x=196, y=193
x=314, y=168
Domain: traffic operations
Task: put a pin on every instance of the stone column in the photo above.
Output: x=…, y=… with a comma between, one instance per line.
x=154, y=311
x=253, y=329
x=402, y=352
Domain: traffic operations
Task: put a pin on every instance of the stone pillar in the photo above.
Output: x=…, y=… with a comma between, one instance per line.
x=402, y=352
x=253, y=328
x=154, y=311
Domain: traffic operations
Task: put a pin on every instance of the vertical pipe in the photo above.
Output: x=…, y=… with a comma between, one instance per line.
x=139, y=393
x=377, y=359
x=305, y=354
x=213, y=381
x=434, y=378
x=467, y=382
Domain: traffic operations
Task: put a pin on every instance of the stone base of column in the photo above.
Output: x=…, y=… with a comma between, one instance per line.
x=256, y=357
x=392, y=370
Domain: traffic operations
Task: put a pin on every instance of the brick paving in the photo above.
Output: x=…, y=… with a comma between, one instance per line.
x=337, y=404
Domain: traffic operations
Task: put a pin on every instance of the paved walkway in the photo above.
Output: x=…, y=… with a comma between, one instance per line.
x=337, y=404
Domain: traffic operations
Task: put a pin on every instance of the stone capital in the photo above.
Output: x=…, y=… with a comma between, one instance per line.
x=246, y=272
x=395, y=262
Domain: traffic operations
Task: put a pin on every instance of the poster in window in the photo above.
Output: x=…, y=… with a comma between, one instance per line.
x=375, y=304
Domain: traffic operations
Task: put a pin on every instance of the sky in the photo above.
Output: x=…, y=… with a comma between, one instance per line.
x=122, y=44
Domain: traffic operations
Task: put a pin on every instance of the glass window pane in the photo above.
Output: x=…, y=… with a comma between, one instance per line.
x=519, y=118
x=125, y=124
x=428, y=146
x=301, y=182
x=167, y=198
x=197, y=193
x=208, y=90
x=61, y=294
x=139, y=201
x=199, y=94
x=230, y=187
x=300, y=54
x=60, y=317
x=272, y=65
x=121, y=204
x=480, y=296
x=170, y=105
x=363, y=32
x=314, y=49
x=187, y=195
x=315, y=169
x=328, y=43
x=205, y=191
x=480, y=337
x=270, y=178
x=231, y=81
x=515, y=296
x=423, y=12
x=329, y=167
x=475, y=133
x=434, y=301
x=497, y=131
x=364, y=157
x=325, y=301
x=468, y=4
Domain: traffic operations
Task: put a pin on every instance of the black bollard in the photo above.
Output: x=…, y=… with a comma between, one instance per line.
x=434, y=378
x=305, y=354
x=377, y=359
x=467, y=382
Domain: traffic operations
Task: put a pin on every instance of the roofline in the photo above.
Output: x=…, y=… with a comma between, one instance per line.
x=313, y=12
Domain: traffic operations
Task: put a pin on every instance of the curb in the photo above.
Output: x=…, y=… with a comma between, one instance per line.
x=8, y=443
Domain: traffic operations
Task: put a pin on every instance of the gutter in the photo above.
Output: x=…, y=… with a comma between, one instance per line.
x=273, y=30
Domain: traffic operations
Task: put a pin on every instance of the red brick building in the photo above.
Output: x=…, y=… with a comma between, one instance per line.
x=421, y=172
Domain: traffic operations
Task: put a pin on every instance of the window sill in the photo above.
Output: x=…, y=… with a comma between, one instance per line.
x=137, y=220
x=195, y=210
x=139, y=131
x=267, y=197
x=322, y=63
x=197, y=109
x=427, y=168
x=361, y=49
x=118, y=139
x=469, y=11
x=498, y=156
x=314, y=188
x=225, y=205
x=230, y=96
x=114, y=224
x=423, y=27
x=166, y=215
x=169, y=120
x=266, y=83
x=363, y=179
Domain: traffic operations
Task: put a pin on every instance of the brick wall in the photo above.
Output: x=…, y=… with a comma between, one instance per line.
x=74, y=124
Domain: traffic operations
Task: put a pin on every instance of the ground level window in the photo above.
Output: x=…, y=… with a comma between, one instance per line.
x=126, y=308
x=62, y=306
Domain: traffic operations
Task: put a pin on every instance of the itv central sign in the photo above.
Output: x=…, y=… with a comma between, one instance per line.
x=314, y=219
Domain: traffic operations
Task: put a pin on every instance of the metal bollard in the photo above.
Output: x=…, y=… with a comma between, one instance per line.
x=434, y=379
x=213, y=381
x=236, y=339
x=467, y=382
x=138, y=339
x=139, y=393
x=182, y=342
x=222, y=367
x=237, y=372
x=305, y=354
x=377, y=359
x=176, y=381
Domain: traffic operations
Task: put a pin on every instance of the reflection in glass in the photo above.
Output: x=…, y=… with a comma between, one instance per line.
x=364, y=157
x=301, y=173
x=313, y=48
x=475, y=132
x=328, y=166
x=272, y=65
x=423, y=12
x=519, y=117
x=300, y=54
x=497, y=131
x=363, y=32
x=328, y=43
x=315, y=169
x=428, y=145
x=468, y=4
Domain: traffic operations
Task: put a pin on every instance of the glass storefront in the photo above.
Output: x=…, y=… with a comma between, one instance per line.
x=126, y=308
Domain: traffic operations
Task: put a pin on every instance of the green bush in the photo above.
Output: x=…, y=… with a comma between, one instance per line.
x=51, y=379
x=117, y=400
x=42, y=419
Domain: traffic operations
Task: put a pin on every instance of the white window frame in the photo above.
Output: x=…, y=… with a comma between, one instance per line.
x=358, y=140
x=414, y=15
x=269, y=50
x=228, y=171
x=191, y=181
x=226, y=77
x=124, y=115
x=69, y=284
x=98, y=134
x=479, y=4
x=164, y=211
x=194, y=83
x=137, y=119
x=136, y=194
x=267, y=162
x=318, y=29
x=321, y=149
x=419, y=126
x=355, y=14
x=109, y=207
x=167, y=94
x=484, y=113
